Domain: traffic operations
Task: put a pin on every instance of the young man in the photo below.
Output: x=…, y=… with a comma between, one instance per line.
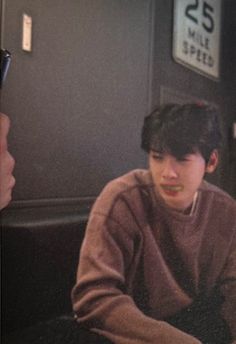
x=158, y=261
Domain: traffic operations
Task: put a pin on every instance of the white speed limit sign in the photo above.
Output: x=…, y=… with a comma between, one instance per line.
x=196, y=36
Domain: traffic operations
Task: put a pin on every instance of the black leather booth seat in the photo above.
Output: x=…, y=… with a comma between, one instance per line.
x=40, y=252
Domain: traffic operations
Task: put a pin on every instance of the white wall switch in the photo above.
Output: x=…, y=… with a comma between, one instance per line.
x=27, y=33
x=234, y=130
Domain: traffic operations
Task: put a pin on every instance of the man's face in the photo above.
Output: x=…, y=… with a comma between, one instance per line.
x=177, y=180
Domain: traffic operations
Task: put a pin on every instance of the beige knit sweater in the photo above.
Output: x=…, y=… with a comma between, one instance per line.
x=141, y=262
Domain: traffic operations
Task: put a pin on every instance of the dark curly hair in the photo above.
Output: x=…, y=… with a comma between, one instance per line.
x=182, y=129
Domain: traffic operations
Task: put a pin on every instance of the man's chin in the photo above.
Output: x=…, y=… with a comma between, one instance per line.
x=175, y=202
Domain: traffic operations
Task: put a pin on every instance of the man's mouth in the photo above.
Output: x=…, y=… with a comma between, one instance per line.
x=172, y=188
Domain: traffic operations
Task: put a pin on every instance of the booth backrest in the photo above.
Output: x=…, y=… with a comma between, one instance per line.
x=40, y=253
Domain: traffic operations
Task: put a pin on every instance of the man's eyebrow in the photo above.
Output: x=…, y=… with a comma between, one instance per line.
x=156, y=150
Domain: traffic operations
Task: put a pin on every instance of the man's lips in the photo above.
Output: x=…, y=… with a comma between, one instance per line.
x=172, y=188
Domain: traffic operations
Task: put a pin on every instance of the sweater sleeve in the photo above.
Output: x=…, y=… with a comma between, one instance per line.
x=99, y=297
x=228, y=287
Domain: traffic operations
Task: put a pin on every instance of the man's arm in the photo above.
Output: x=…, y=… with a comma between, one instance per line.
x=99, y=298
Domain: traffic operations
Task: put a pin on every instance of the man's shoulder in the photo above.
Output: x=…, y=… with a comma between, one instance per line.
x=218, y=209
x=127, y=187
x=218, y=194
x=134, y=178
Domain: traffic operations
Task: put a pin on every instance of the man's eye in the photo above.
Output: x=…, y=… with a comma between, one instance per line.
x=183, y=159
x=157, y=157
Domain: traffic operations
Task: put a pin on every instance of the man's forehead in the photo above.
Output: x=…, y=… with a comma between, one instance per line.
x=176, y=153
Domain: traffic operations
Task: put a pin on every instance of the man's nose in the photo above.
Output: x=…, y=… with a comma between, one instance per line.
x=169, y=170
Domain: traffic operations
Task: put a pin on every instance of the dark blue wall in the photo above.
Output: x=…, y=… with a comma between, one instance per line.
x=77, y=101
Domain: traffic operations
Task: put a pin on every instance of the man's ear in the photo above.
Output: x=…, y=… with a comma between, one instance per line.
x=213, y=161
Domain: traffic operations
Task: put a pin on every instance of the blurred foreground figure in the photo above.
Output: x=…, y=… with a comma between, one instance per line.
x=158, y=261
x=7, y=181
